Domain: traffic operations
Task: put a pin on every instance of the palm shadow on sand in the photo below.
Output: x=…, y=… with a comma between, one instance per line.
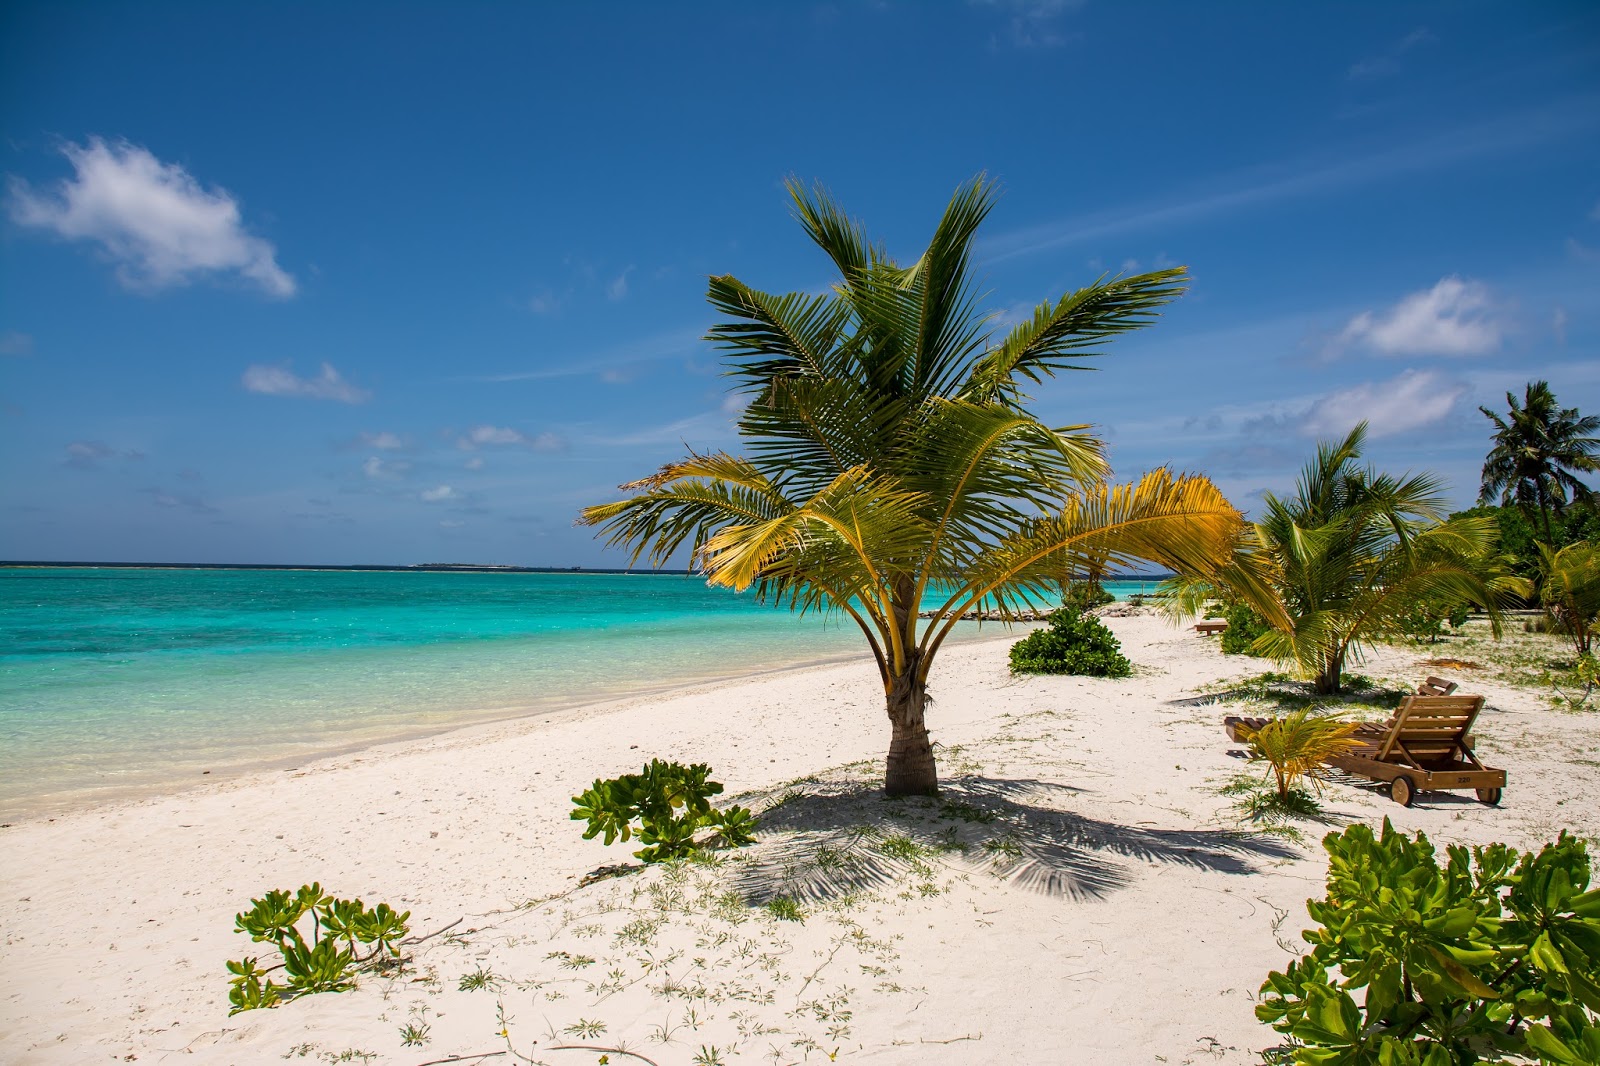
x=841, y=837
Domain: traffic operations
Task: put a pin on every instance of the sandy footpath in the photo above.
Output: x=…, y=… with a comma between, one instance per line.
x=1079, y=893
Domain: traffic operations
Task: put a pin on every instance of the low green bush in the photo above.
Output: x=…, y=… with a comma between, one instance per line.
x=1075, y=643
x=1492, y=957
x=1084, y=596
x=1424, y=623
x=670, y=803
x=1244, y=626
x=330, y=960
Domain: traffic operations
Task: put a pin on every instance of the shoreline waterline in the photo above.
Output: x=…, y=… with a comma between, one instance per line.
x=467, y=725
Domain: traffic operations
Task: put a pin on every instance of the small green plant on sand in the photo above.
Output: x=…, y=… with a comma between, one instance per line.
x=1299, y=744
x=1493, y=956
x=1586, y=675
x=332, y=957
x=785, y=909
x=1075, y=643
x=670, y=804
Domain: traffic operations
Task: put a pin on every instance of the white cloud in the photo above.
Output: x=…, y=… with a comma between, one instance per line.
x=280, y=381
x=618, y=288
x=1455, y=317
x=151, y=218
x=451, y=523
x=14, y=343
x=546, y=301
x=86, y=454
x=549, y=442
x=488, y=436
x=475, y=463
x=383, y=440
x=384, y=469
x=481, y=436
x=1414, y=399
x=443, y=492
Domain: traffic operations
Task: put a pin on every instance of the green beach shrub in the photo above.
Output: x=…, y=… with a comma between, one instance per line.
x=1424, y=623
x=1493, y=956
x=670, y=803
x=1076, y=643
x=1084, y=596
x=1244, y=626
x=331, y=959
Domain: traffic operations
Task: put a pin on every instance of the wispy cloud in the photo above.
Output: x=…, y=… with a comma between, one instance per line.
x=152, y=219
x=1415, y=399
x=281, y=381
x=617, y=288
x=666, y=345
x=383, y=440
x=505, y=436
x=1031, y=23
x=379, y=469
x=16, y=344
x=1455, y=317
x=437, y=495
x=186, y=501
x=86, y=454
x=1333, y=172
x=1387, y=62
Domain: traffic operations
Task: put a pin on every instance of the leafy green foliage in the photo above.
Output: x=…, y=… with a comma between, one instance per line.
x=1569, y=589
x=1299, y=744
x=1335, y=566
x=1425, y=622
x=1490, y=957
x=670, y=803
x=1084, y=596
x=891, y=469
x=328, y=961
x=1075, y=643
x=1244, y=627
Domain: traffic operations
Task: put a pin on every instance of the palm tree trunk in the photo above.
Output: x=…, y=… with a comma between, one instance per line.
x=1327, y=681
x=910, y=769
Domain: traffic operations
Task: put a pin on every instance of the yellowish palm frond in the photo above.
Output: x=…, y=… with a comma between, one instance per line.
x=1300, y=744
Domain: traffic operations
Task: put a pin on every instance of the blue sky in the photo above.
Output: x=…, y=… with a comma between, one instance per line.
x=401, y=283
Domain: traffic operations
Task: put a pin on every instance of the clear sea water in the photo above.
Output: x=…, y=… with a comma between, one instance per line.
x=119, y=680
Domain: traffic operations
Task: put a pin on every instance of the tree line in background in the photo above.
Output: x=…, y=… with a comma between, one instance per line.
x=1354, y=555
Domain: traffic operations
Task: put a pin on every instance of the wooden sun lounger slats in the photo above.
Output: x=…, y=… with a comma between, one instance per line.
x=1426, y=745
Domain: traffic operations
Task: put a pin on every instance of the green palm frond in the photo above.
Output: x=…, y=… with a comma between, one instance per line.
x=1070, y=330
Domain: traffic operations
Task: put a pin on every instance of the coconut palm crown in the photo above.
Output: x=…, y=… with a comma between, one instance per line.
x=1342, y=561
x=892, y=468
x=1539, y=449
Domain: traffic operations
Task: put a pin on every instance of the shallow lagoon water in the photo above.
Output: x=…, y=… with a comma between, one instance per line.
x=115, y=680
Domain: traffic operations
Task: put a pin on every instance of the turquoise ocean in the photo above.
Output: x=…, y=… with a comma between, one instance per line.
x=115, y=681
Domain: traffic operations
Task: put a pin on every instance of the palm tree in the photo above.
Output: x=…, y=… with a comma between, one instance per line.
x=1346, y=558
x=1537, y=453
x=892, y=468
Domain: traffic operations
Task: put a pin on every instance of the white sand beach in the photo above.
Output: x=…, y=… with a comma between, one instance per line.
x=1079, y=893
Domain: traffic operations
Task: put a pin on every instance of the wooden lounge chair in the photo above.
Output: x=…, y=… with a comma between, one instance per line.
x=1437, y=686
x=1426, y=745
x=1205, y=629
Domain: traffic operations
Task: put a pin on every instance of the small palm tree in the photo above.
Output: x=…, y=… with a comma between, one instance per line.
x=892, y=468
x=1346, y=558
x=1299, y=745
x=1569, y=587
x=1538, y=451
